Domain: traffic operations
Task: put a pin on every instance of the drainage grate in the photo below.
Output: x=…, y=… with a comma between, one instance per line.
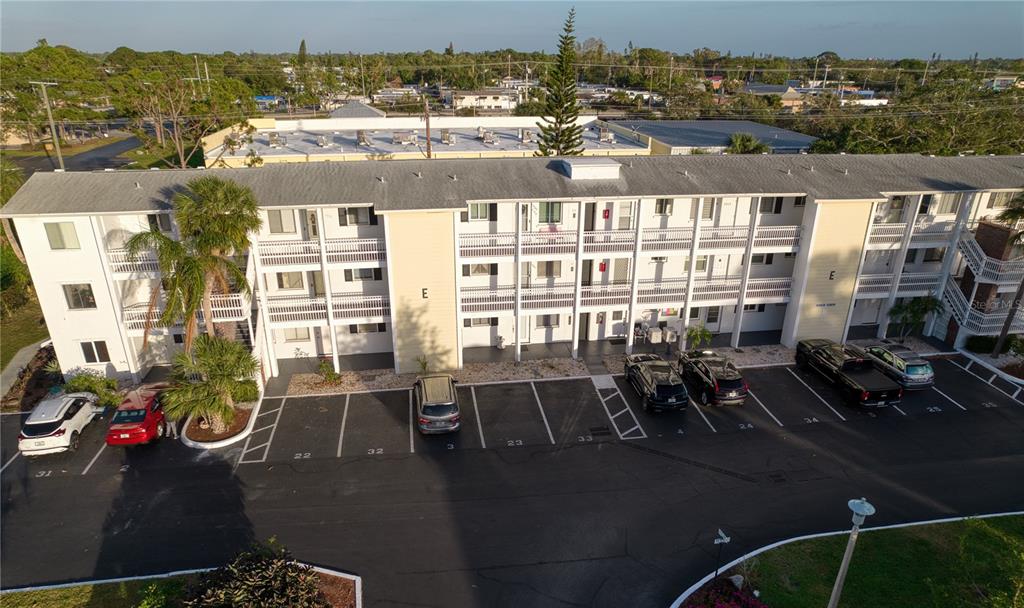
x=617, y=341
x=600, y=431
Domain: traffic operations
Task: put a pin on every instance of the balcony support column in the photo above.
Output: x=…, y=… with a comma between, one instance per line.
x=260, y=288
x=897, y=272
x=458, y=290
x=326, y=275
x=577, y=281
x=518, y=282
x=634, y=276
x=860, y=268
x=690, y=271
x=755, y=221
x=131, y=357
x=966, y=206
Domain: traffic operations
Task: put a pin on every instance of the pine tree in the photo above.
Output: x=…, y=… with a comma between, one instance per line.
x=302, y=53
x=559, y=133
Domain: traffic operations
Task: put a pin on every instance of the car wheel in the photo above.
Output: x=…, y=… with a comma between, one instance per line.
x=704, y=398
x=161, y=431
x=73, y=442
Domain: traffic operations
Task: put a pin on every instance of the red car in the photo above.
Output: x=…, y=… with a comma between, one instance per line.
x=139, y=419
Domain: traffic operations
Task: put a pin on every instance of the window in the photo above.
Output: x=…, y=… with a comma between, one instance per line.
x=479, y=270
x=79, y=296
x=549, y=213
x=367, y=328
x=61, y=235
x=289, y=280
x=695, y=313
x=753, y=308
x=762, y=258
x=356, y=216
x=549, y=270
x=998, y=200
x=159, y=222
x=911, y=256
x=363, y=274
x=789, y=254
x=800, y=201
x=926, y=203
x=770, y=204
x=702, y=263
x=479, y=212
x=663, y=206
x=95, y=352
x=948, y=204
x=547, y=320
x=934, y=254
x=616, y=315
x=281, y=221
x=707, y=212
x=481, y=322
x=713, y=315
x=178, y=338
x=296, y=334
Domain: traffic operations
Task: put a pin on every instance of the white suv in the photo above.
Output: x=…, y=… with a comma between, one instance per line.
x=56, y=424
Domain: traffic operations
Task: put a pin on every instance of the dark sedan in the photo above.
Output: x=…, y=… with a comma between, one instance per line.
x=658, y=383
x=712, y=378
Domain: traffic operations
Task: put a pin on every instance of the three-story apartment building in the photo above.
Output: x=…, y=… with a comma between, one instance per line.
x=423, y=259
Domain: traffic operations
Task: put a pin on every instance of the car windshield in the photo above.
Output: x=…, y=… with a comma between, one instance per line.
x=730, y=384
x=664, y=374
x=856, y=365
x=133, y=415
x=444, y=409
x=40, y=429
x=919, y=369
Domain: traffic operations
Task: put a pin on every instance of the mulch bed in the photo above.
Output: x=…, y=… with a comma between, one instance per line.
x=721, y=593
x=32, y=384
x=340, y=592
x=1015, y=369
x=195, y=433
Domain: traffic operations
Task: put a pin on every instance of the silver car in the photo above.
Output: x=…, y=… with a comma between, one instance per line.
x=903, y=365
x=437, y=404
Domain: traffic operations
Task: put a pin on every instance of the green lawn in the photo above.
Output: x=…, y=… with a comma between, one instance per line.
x=112, y=595
x=157, y=157
x=65, y=149
x=21, y=328
x=973, y=563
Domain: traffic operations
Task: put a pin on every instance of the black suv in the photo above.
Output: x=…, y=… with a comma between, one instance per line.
x=850, y=370
x=712, y=378
x=657, y=382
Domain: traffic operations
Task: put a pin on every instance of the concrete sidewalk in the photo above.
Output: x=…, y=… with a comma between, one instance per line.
x=21, y=358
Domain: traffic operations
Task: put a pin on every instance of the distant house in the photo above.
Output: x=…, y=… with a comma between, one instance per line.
x=791, y=98
x=357, y=109
x=392, y=95
x=1003, y=82
x=675, y=137
x=483, y=99
x=268, y=103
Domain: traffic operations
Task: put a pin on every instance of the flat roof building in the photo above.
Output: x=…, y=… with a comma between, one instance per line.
x=709, y=136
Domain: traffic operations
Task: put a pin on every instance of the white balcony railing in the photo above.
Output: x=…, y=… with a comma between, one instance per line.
x=654, y=291
x=615, y=294
x=548, y=243
x=886, y=233
x=705, y=290
x=487, y=245
x=926, y=229
x=974, y=320
x=225, y=308
x=488, y=299
x=769, y=289
x=121, y=262
x=723, y=237
x=987, y=269
x=307, y=252
x=666, y=239
x=777, y=236
x=360, y=306
x=302, y=309
x=874, y=285
x=919, y=281
x=608, y=241
x=554, y=296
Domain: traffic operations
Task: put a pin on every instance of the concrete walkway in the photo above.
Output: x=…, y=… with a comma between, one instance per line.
x=20, y=360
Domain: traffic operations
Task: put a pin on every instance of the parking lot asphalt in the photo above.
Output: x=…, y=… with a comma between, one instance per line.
x=552, y=493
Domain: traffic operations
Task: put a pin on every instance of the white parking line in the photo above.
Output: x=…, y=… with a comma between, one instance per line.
x=986, y=381
x=751, y=393
x=94, y=458
x=8, y=463
x=897, y=408
x=710, y=426
x=479, y=426
x=264, y=446
x=344, y=417
x=625, y=409
x=951, y=400
x=412, y=446
x=542, y=414
x=815, y=393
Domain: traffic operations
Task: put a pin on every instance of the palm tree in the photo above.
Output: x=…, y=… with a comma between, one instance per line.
x=745, y=143
x=209, y=380
x=911, y=313
x=1013, y=213
x=215, y=217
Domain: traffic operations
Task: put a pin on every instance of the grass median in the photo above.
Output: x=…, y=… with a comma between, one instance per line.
x=976, y=562
x=20, y=328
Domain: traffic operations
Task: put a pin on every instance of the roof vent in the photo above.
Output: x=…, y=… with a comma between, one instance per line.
x=789, y=172
x=361, y=139
x=105, y=170
x=138, y=186
x=812, y=168
x=591, y=168
x=447, y=137
x=419, y=174
x=380, y=178
x=846, y=171
x=454, y=177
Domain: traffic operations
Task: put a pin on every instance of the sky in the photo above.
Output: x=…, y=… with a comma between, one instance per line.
x=885, y=29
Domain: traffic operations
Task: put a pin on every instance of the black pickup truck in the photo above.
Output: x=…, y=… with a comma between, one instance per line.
x=851, y=371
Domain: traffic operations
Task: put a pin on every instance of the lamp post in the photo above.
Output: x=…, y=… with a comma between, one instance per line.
x=861, y=509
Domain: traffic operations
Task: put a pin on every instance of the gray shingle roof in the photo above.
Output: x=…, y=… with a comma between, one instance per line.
x=356, y=109
x=447, y=184
x=716, y=133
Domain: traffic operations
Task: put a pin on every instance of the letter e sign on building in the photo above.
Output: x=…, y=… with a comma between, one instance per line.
x=832, y=275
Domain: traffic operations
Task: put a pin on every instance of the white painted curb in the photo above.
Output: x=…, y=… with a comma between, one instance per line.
x=725, y=567
x=212, y=445
x=357, y=580
x=974, y=359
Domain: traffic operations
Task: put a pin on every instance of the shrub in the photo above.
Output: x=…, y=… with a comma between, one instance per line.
x=327, y=373
x=984, y=344
x=161, y=594
x=265, y=575
x=89, y=381
x=723, y=594
x=246, y=391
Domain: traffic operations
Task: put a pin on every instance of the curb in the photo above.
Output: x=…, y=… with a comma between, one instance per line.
x=725, y=567
x=357, y=580
x=212, y=445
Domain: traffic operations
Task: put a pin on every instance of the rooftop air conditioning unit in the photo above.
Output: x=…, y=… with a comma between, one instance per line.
x=659, y=259
x=605, y=136
x=525, y=135
x=405, y=138
x=321, y=140
x=447, y=137
x=488, y=137
x=361, y=138
x=275, y=139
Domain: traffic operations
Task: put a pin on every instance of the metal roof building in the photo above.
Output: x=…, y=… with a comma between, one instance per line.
x=710, y=136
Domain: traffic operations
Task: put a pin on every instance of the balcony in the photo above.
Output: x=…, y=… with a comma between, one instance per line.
x=300, y=310
x=226, y=308
x=987, y=269
x=503, y=299
x=600, y=296
x=976, y=321
x=886, y=234
x=121, y=262
x=926, y=229
x=911, y=284
x=307, y=252
x=608, y=241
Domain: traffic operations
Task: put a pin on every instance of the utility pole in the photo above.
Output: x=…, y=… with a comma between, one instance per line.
x=362, y=74
x=426, y=116
x=815, y=77
x=671, y=65
x=49, y=116
x=824, y=79
x=924, y=77
x=206, y=68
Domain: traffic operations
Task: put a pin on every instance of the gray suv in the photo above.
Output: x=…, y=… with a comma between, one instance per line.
x=437, y=404
x=902, y=365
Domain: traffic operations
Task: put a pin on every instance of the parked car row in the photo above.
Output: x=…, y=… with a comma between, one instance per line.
x=704, y=377
x=57, y=423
